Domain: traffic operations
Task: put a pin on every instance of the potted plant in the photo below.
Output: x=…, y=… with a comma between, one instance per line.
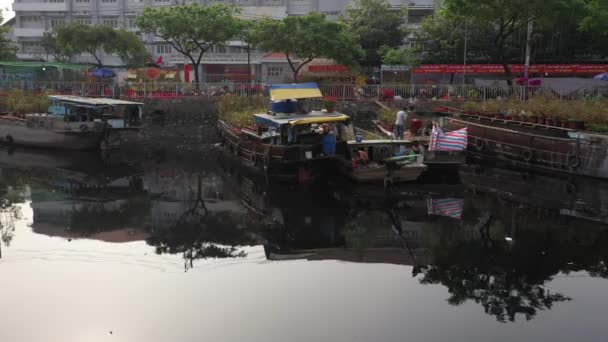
x=387, y=94
x=329, y=103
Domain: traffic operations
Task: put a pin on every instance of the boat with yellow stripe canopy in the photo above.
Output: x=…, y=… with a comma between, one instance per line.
x=286, y=141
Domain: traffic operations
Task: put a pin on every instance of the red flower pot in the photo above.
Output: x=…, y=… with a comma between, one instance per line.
x=548, y=122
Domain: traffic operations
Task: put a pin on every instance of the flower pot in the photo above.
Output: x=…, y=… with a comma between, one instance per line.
x=571, y=124
x=557, y=123
x=548, y=122
x=508, y=117
x=532, y=119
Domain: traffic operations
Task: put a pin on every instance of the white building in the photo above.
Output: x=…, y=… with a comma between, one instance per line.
x=34, y=17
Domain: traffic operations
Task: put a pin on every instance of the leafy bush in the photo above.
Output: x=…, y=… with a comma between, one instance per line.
x=20, y=102
x=239, y=110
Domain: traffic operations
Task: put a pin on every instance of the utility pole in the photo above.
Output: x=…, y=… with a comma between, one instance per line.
x=466, y=38
x=528, y=45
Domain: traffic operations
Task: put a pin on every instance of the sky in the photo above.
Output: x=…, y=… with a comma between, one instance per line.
x=4, y=5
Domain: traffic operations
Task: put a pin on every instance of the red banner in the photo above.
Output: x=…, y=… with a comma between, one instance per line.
x=515, y=68
x=327, y=68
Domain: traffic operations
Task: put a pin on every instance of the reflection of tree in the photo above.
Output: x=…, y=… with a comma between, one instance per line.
x=508, y=279
x=94, y=218
x=8, y=214
x=197, y=234
x=214, y=236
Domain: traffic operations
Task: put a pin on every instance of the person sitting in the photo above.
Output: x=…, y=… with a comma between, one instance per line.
x=361, y=159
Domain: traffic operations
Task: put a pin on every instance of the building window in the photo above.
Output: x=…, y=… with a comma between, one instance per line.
x=30, y=18
x=274, y=71
x=131, y=23
x=84, y=21
x=82, y=1
x=56, y=22
x=56, y=1
x=31, y=47
x=112, y=22
x=162, y=0
x=163, y=49
x=108, y=1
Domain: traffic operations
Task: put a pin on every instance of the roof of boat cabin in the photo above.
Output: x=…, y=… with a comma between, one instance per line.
x=92, y=101
x=300, y=119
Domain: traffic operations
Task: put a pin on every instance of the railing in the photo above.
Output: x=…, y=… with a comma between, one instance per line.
x=346, y=92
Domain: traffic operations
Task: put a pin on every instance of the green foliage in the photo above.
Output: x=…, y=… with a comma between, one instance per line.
x=22, y=102
x=596, y=18
x=399, y=57
x=239, y=110
x=94, y=40
x=192, y=30
x=377, y=25
x=496, y=32
x=7, y=49
x=308, y=37
x=593, y=113
x=52, y=47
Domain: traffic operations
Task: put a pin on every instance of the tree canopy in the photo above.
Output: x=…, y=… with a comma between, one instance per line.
x=377, y=25
x=67, y=41
x=306, y=38
x=496, y=32
x=7, y=49
x=192, y=30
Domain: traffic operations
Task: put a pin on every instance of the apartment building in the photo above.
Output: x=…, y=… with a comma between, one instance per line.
x=35, y=17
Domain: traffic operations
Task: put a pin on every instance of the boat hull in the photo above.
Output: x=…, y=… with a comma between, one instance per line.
x=19, y=133
x=381, y=174
x=561, y=151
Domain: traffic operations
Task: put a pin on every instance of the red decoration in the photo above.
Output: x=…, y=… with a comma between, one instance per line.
x=515, y=68
x=187, y=69
x=152, y=73
x=327, y=68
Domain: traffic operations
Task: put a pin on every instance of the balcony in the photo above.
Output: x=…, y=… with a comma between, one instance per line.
x=40, y=6
x=28, y=32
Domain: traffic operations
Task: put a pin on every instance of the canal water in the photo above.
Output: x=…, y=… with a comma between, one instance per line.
x=155, y=247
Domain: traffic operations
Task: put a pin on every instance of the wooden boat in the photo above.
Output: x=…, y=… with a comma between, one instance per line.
x=268, y=146
x=388, y=163
x=434, y=159
x=535, y=146
x=288, y=145
x=72, y=122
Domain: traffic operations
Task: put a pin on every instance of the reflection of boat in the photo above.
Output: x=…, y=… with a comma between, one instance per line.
x=389, y=161
x=536, y=146
x=575, y=197
x=51, y=131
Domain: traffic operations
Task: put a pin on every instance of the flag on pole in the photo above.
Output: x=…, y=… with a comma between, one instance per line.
x=454, y=141
x=449, y=207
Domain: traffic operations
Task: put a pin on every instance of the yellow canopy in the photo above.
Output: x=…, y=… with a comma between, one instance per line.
x=319, y=120
x=279, y=92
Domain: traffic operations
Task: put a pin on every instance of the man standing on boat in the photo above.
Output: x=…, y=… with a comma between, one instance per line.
x=400, y=123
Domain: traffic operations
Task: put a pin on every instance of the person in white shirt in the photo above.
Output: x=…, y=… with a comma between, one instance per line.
x=400, y=123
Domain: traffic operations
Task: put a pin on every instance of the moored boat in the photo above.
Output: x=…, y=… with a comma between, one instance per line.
x=287, y=145
x=535, y=146
x=383, y=161
x=71, y=122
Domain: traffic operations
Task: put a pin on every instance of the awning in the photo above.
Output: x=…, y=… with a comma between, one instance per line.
x=319, y=120
x=101, y=73
x=279, y=92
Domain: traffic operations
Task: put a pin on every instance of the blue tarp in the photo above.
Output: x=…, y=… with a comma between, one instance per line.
x=601, y=77
x=102, y=73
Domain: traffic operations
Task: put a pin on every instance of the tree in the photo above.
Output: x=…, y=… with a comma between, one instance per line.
x=400, y=56
x=52, y=47
x=498, y=21
x=306, y=38
x=192, y=30
x=74, y=39
x=377, y=25
x=7, y=49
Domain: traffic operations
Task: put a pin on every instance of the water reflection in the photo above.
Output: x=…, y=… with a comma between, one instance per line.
x=497, y=239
